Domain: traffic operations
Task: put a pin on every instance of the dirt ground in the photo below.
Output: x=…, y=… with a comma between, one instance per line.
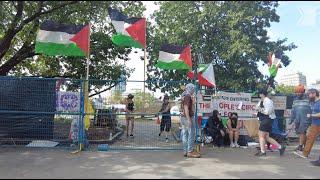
x=215, y=163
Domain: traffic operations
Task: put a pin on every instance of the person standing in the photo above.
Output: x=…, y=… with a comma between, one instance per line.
x=188, y=122
x=165, y=124
x=130, y=118
x=300, y=109
x=314, y=129
x=266, y=116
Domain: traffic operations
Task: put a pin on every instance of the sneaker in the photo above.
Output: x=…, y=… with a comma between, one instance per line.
x=167, y=140
x=131, y=135
x=299, y=148
x=283, y=148
x=159, y=134
x=315, y=163
x=260, y=154
x=185, y=154
x=232, y=145
x=193, y=154
x=237, y=145
x=300, y=154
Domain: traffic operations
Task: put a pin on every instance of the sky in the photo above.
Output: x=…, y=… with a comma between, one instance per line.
x=299, y=23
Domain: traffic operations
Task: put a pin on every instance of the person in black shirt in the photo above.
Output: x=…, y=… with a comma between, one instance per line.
x=234, y=130
x=166, y=117
x=216, y=129
x=129, y=110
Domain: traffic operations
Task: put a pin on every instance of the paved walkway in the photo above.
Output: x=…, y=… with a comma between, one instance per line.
x=146, y=135
x=219, y=163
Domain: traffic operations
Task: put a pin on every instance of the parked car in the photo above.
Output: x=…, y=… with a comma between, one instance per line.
x=175, y=112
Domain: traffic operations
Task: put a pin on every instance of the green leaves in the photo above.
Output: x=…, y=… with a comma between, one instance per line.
x=231, y=34
x=107, y=60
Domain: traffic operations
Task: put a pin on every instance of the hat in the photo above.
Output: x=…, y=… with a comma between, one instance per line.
x=299, y=89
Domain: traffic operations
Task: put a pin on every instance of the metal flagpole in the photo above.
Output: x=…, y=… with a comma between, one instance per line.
x=144, y=74
x=86, y=87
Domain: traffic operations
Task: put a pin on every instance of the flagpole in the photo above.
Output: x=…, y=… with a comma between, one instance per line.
x=144, y=72
x=86, y=85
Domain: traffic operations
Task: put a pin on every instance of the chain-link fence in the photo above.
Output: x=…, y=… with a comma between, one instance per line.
x=112, y=125
x=44, y=112
x=34, y=112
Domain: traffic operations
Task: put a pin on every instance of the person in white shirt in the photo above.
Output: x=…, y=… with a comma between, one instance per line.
x=266, y=115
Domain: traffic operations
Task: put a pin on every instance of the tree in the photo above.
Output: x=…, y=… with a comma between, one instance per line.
x=231, y=34
x=147, y=101
x=19, y=23
x=283, y=89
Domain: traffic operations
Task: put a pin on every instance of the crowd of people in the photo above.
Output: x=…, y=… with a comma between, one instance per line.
x=305, y=118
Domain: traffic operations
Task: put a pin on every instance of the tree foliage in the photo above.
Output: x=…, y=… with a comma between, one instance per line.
x=283, y=89
x=230, y=34
x=20, y=21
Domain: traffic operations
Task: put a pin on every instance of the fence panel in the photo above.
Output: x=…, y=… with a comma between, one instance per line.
x=39, y=112
x=109, y=120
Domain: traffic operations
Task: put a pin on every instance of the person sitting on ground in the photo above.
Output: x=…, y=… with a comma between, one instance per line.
x=234, y=129
x=216, y=129
x=166, y=117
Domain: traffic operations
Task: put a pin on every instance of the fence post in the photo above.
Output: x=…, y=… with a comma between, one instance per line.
x=81, y=121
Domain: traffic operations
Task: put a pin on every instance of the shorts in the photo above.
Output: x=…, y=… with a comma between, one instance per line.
x=129, y=116
x=165, y=125
x=266, y=124
x=301, y=127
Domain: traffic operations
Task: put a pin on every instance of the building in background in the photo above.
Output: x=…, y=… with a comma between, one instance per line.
x=315, y=85
x=293, y=79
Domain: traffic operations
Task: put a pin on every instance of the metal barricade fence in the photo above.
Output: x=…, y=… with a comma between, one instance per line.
x=109, y=121
x=52, y=112
x=39, y=112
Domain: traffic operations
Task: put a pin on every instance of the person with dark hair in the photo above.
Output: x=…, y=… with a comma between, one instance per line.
x=234, y=129
x=166, y=117
x=266, y=114
x=216, y=129
x=301, y=107
x=129, y=110
x=314, y=129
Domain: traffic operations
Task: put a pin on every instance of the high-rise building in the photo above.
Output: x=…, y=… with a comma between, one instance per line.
x=293, y=79
x=315, y=85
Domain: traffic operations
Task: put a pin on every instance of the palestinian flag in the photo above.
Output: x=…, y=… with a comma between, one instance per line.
x=61, y=39
x=274, y=63
x=174, y=57
x=131, y=32
x=205, y=75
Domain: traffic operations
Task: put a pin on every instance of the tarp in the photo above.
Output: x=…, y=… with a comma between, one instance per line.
x=27, y=95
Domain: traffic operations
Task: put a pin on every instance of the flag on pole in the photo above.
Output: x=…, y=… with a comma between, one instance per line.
x=274, y=63
x=62, y=39
x=205, y=75
x=174, y=57
x=131, y=32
